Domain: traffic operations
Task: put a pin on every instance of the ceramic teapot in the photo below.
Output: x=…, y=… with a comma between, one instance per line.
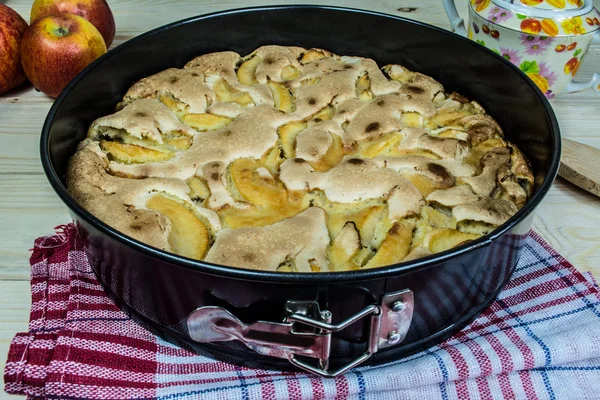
x=546, y=39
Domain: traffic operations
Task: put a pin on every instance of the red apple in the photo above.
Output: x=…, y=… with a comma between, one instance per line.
x=95, y=11
x=12, y=27
x=56, y=48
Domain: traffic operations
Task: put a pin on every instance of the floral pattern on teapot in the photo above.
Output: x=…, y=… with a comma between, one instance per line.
x=549, y=60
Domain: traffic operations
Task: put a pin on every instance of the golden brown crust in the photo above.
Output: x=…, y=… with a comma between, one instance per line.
x=142, y=119
x=184, y=85
x=298, y=160
x=300, y=241
x=120, y=202
x=98, y=194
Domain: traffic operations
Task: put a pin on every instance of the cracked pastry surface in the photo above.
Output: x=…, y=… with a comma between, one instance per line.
x=293, y=159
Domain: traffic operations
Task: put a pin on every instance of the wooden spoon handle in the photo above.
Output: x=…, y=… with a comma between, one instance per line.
x=580, y=165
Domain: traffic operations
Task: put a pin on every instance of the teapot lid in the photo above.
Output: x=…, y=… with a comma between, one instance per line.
x=544, y=17
x=540, y=8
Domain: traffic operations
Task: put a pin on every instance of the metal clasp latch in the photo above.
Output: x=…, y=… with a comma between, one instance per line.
x=306, y=331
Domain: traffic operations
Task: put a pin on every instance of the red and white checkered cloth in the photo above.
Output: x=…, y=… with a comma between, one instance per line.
x=539, y=340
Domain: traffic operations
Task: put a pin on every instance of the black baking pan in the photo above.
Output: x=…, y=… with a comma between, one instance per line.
x=325, y=322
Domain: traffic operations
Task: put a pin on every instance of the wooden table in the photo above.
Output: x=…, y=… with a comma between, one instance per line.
x=568, y=218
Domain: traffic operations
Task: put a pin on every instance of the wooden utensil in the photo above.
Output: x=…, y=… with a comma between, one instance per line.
x=580, y=165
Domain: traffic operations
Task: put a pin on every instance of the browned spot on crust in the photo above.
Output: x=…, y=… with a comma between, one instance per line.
x=317, y=120
x=249, y=257
x=195, y=74
x=356, y=161
x=481, y=132
x=174, y=79
x=136, y=227
x=415, y=89
x=214, y=176
x=311, y=101
x=269, y=61
x=299, y=160
x=373, y=126
x=458, y=97
x=444, y=176
x=140, y=114
x=348, y=67
x=498, y=153
x=381, y=103
x=395, y=229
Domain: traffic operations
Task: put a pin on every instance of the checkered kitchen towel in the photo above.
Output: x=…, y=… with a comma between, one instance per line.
x=539, y=340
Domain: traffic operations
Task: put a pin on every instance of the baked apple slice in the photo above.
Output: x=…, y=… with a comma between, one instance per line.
x=412, y=119
x=380, y=146
x=283, y=98
x=312, y=55
x=198, y=189
x=445, y=239
x=287, y=134
x=206, y=122
x=395, y=246
x=178, y=142
x=225, y=94
x=344, y=247
x=290, y=73
x=270, y=201
x=332, y=157
x=398, y=73
x=246, y=71
x=133, y=154
x=188, y=236
x=325, y=114
x=363, y=88
x=365, y=220
x=175, y=105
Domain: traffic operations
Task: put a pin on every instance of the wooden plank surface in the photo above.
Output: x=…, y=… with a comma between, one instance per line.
x=568, y=218
x=579, y=165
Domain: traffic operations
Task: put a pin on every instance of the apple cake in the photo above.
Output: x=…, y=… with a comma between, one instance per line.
x=293, y=159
